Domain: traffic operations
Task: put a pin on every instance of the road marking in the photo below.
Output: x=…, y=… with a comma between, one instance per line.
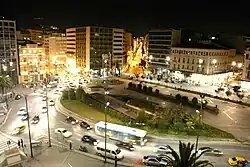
x=229, y=116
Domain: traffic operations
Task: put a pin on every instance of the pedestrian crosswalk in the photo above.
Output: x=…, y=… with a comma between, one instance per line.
x=6, y=143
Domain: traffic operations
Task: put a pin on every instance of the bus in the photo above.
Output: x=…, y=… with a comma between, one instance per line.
x=121, y=133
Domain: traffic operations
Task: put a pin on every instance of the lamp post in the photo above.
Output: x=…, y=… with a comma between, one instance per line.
x=233, y=65
x=198, y=135
x=47, y=108
x=168, y=62
x=26, y=104
x=105, y=120
x=201, y=110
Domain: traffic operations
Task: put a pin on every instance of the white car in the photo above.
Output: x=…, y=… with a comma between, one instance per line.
x=44, y=109
x=161, y=149
x=44, y=98
x=22, y=111
x=51, y=103
x=65, y=133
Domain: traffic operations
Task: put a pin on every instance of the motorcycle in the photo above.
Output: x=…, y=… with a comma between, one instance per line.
x=83, y=149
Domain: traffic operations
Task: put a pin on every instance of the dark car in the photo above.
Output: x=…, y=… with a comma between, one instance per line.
x=71, y=120
x=85, y=125
x=17, y=97
x=90, y=140
x=125, y=145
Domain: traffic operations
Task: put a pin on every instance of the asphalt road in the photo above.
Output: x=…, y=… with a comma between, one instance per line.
x=233, y=118
x=58, y=121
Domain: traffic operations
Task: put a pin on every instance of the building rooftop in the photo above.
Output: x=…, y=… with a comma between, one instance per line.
x=200, y=46
x=25, y=42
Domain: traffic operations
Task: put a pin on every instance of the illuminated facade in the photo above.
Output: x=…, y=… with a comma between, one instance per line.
x=246, y=67
x=91, y=45
x=159, y=43
x=36, y=36
x=32, y=61
x=201, y=58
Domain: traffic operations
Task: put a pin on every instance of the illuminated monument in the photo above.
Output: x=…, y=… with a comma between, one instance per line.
x=137, y=63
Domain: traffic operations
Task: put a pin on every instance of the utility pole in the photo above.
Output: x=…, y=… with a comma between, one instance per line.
x=26, y=103
x=47, y=107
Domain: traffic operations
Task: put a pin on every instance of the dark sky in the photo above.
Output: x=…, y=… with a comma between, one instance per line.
x=135, y=16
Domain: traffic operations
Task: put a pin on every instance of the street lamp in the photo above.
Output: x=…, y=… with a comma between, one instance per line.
x=197, y=137
x=105, y=120
x=26, y=104
x=240, y=65
x=47, y=108
x=200, y=62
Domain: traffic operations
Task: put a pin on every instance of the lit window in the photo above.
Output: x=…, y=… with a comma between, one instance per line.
x=24, y=51
x=34, y=51
x=30, y=51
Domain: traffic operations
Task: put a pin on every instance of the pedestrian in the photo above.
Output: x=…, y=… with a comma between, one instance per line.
x=116, y=161
x=19, y=143
x=70, y=145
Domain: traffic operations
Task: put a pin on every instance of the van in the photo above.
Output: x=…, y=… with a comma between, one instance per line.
x=112, y=151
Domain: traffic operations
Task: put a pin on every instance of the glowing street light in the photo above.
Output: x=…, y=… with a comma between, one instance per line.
x=214, y=61
x=240, y=65
x=167, y=58
x=150, y=57
x=200, y=61
x=233, y=63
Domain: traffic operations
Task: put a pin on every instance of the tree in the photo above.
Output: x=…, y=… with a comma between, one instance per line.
x=5, y=84
x=65, y=95
x=71, y=94
x=139, y=86
x=150, y=89
x=145, y=89
x=141, y=117
x=195, y=101
x=79, y=93
x=184, y=99
x=187, y=157
x=130, y=85
x=178, y=98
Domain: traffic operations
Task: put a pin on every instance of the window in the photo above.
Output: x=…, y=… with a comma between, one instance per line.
x=192, y=67
x=193, y=61
x=188, y=61
x=182, y=66
x=179, y=60
x=183, y=60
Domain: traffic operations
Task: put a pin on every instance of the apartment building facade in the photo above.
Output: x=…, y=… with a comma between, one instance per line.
x=159, y=43
x=201, y=58
x=96, y=48
x=246, y=67
x=8, y=50
x=32, y=62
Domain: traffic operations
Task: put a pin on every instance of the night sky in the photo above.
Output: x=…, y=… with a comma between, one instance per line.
x=135, y=16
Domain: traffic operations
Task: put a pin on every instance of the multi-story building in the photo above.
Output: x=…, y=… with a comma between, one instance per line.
x=32, y=62
x=96, y=48
x=36, y=36
x=57, y=52
x=159, y=44
x=202, y=58
x=8, y=50
x=128, y=45
x=246, y=66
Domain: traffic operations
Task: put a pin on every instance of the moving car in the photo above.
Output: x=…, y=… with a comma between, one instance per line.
x=85, y=125
x=161, y=149
x=51, y=103
x=90, y=140
x=17, y=97
x=125, y=145
x=35, y=119
x=235, y=161
x=212, y=151
x=22, y=111
x=18, y=130
x=112, y=151
x=65, y=133
x=152, y=160
x=44, y=98
x=44, y=109
x=25, y=117
x=71, y=120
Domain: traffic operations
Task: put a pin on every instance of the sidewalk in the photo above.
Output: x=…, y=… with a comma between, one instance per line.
x=58, y=157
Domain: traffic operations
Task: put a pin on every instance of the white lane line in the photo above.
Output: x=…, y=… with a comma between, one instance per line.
x=229, y=116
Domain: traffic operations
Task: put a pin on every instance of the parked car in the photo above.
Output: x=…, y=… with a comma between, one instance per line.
x=125, y=145
x=90, y=140
x=44, y=98
x=44, y=109
x=71, y=120
x=65, y=133
x=85, y=125
x=25, y=117
x=152, y=160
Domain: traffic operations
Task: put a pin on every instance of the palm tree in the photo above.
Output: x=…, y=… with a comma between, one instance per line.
x=5, y=83
x=186, y=158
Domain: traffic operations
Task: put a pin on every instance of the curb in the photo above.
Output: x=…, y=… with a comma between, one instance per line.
x=93, y=156
x=6, y=117
x=210, y=140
